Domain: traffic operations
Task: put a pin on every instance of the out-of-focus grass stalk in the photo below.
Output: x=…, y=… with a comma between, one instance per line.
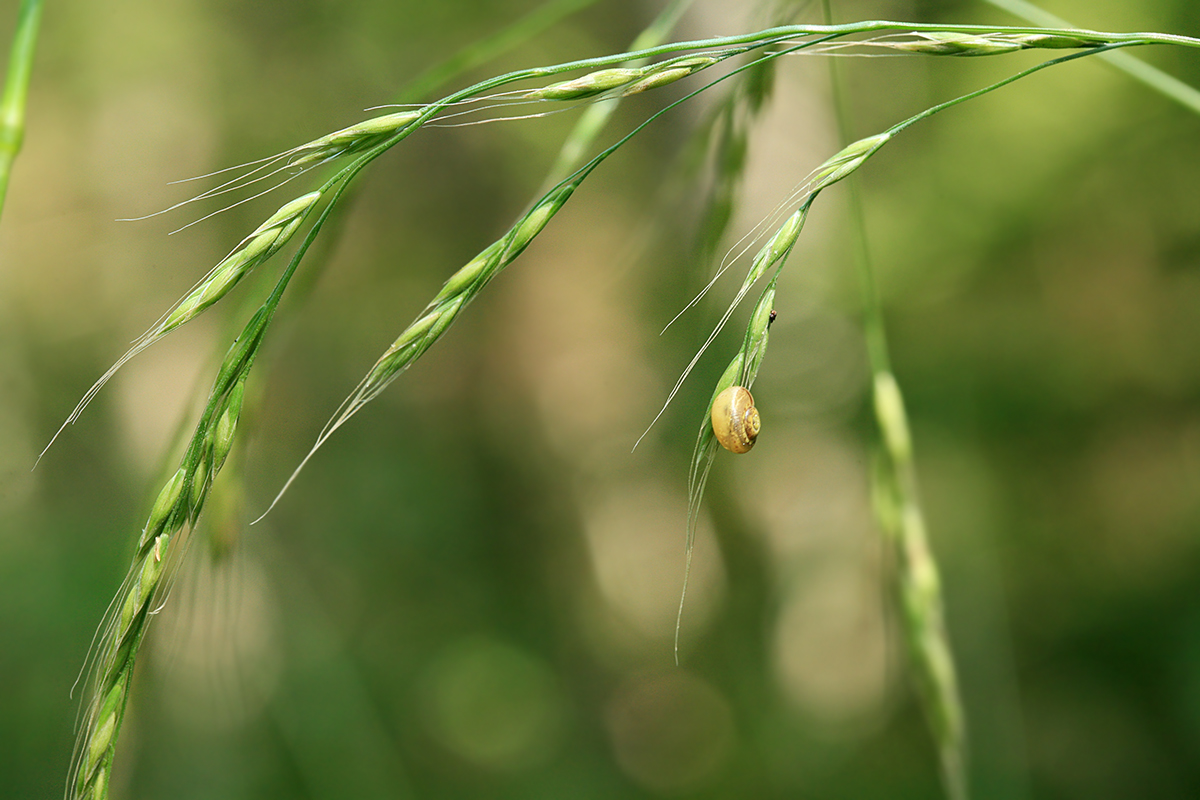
x=898, y=509
x=931, y=659
x=488, y=48
x=596, y=116
x=16, y=90
x=1139, y=70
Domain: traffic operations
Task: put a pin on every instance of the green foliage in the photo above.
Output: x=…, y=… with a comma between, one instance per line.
x=470, y=590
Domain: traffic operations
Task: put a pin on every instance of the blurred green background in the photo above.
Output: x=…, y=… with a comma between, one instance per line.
x=471, y=591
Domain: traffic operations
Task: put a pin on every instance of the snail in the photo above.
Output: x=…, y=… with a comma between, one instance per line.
x=735, y=419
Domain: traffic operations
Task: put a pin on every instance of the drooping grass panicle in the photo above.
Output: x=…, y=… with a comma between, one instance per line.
x=462, y=287
x=255, y=249
x=842, y=164
x=745, y=365
x=771, y=254
x=442, y=310
x=160, y=550
x=178, y=505
x=182, y=499
x=164, y=540
x=162, y=546
x=741, y=371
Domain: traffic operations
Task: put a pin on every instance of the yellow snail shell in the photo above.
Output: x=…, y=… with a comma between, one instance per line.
x=735, y=419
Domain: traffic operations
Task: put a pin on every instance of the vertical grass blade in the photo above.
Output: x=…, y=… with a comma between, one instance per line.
x=16, y=90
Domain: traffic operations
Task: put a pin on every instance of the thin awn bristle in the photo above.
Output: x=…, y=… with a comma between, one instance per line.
x=223, y=170
x=517, y=118
x=467, y=101
x=519, y=100
x=695, y=360
x=749, y=239
x=232, y=206
x=232, y=185
x=305, y=156
x=345, y=411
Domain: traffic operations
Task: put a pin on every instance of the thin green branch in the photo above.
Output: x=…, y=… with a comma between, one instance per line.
x=16, y=90
x=1139, y=70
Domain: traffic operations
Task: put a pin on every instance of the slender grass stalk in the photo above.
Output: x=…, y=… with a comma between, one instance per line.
x=1139, y=70
x=16, y=90
x=931, y=659
x=898, y=509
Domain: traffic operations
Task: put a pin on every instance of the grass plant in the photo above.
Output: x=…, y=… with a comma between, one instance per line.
x=594, y=86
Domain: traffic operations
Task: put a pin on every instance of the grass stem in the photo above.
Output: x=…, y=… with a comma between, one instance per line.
x=16, y=90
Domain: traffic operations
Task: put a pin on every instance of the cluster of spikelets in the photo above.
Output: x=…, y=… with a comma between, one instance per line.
x=181, y=500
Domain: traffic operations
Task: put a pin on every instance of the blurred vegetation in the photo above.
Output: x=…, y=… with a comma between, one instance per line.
x=471, y=590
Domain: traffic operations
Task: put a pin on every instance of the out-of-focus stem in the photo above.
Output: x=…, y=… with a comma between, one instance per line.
x=899, y=510
x=16, y=90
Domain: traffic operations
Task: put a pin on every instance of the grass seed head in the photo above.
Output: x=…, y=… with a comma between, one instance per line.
x=1049, y=41
x=728, y=378
x=263, y=243
x=226, y=427
x=354, y=138
x=164, y=505
x=779, y=246
x=589, y=85
x=524, y=231
x=757, y=333
x=944, y=43
x=657, y=79
x=850, y=158
x=287, y=212
x=385, y=125
x=412, y=333
x=467, y=275
x=200, y=483
x=101, y=739
x=893, y=422
x=670, y=73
